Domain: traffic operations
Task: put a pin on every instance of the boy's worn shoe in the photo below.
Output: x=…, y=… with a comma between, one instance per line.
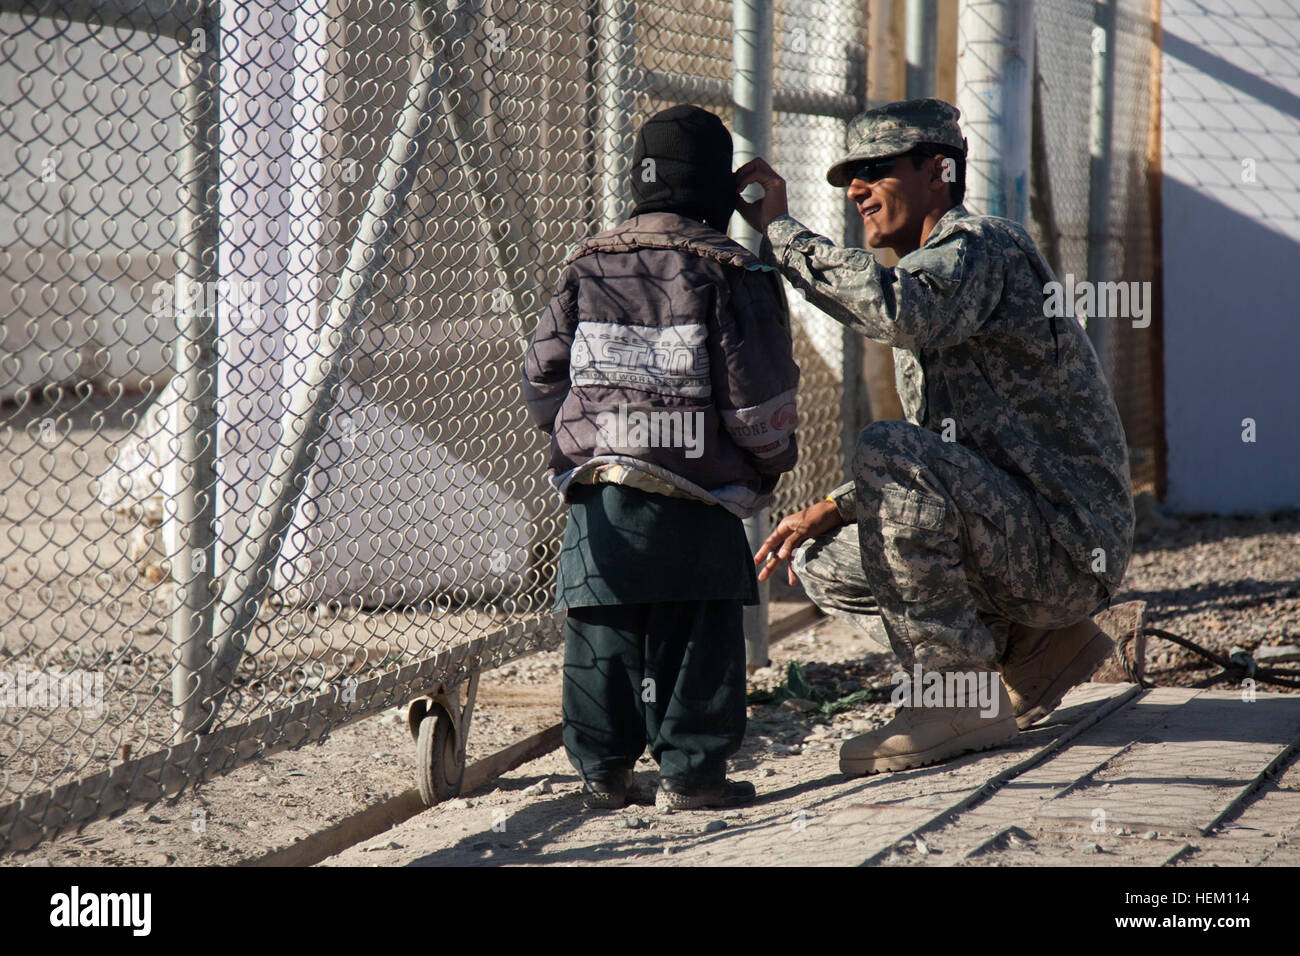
x=673, y=795
x=920, y=735
x=609, y=794
x=1041, y=665
x=613, y=794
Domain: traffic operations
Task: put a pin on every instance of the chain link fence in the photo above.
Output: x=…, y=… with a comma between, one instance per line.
x=1095, y=219
x=269, y=269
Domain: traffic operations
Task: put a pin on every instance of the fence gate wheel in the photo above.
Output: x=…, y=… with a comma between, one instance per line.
x=439, y=765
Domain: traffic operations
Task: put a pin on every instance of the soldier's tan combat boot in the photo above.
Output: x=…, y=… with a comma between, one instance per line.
x=924, y=733
x=1041, y=665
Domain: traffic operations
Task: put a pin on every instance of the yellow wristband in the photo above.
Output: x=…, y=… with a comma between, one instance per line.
x=838, y=509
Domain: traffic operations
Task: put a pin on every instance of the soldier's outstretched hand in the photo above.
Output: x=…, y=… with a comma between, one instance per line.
x=793, y=531
x=768, y=206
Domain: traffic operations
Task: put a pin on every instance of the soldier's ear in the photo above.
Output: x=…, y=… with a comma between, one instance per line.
x=941, y=172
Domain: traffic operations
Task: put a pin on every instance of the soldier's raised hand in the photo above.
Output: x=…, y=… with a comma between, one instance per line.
x=773, y=201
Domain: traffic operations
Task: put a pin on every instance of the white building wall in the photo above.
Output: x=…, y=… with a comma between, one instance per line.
x=1231, y=135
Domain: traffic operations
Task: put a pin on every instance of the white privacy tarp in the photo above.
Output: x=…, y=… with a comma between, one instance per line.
x=388, y=517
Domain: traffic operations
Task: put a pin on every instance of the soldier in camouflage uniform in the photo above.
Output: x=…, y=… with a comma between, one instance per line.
x=986, y=528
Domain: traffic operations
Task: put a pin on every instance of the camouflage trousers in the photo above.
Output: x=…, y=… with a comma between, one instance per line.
x=947, y=551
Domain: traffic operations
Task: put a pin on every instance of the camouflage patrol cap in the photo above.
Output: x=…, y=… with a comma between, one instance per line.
x=895, y=128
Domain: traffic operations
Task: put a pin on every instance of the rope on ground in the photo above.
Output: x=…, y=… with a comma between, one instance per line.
x=1235, y=667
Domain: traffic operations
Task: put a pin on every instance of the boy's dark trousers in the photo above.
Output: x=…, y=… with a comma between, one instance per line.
x=669, y=674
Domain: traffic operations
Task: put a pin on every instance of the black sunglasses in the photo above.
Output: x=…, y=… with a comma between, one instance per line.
x=877, y=169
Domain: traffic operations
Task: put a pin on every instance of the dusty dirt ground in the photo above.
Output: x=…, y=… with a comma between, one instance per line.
x=1219, y=581
x=271, y=803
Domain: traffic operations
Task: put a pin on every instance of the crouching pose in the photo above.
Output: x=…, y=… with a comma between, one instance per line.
x=986, y=528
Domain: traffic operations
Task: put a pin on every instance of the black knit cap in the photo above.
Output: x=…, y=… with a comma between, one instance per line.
x=691, y=170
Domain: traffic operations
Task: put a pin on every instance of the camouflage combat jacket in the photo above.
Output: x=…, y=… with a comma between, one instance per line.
x=977, y=358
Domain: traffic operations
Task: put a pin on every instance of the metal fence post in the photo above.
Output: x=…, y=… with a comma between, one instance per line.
x=615, y=68
x=1101, y=108
x=922, y=47
x=196, y=309
x=751, y=90
x=855, y=406
x=995, y=68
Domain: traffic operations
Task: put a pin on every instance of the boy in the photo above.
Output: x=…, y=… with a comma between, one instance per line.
x=663, y=370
